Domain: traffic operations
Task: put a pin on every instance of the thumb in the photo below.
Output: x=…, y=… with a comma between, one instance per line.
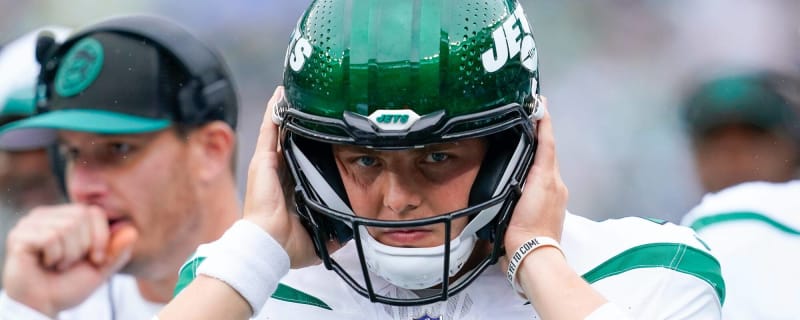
x=120, y=247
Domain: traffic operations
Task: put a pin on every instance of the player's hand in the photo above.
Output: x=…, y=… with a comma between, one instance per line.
x=268, y=199
x=58, y=255
x=554, y=289
x=542, y=206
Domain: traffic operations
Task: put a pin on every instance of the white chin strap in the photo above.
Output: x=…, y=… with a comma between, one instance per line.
x=414, y=268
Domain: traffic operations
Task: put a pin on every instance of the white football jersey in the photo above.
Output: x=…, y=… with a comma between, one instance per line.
x=117, y=299
x=754, y=231
x=654, y=270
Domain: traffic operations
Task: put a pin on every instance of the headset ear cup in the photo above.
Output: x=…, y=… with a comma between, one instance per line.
x=188, y=101
x=58, y=167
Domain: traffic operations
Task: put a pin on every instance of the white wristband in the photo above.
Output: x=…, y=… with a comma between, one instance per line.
x=522, y=252
x=249, y=260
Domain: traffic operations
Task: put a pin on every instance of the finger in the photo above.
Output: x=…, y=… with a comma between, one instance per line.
x=52, y=249
x=37, y=236
x=99, y=235
x=59, y=233
x=72, y=239
x=263, y=194
x=544, y=160
x=268, y=135
x=84, y=234
x=551, y=135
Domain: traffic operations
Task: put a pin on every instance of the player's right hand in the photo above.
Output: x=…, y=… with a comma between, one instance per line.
x=58, y=255
x=267, y=200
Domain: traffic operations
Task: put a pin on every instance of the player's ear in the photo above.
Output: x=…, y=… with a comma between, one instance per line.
x=214, y=145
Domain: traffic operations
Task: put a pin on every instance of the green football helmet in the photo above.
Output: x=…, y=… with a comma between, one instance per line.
x=392, y=75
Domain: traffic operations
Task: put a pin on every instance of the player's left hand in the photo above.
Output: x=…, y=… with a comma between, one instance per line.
x=554, y=289
x=541, y=208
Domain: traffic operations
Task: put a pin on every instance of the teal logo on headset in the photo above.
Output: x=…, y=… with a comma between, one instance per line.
x=79, y=68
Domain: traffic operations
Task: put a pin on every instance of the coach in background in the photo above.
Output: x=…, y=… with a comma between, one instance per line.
x=743, y=128
x=25, y=178
x=143, y=115
x=746, y=135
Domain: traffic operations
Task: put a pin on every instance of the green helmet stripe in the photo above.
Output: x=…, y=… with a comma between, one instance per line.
x=359, y=53
x=429, y=45
x=444, y=52
x=394, y=39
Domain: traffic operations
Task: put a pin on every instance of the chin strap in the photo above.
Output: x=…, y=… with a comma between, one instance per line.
x=415, y=268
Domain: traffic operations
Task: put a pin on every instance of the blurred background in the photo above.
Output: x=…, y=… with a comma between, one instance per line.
x=614, y=72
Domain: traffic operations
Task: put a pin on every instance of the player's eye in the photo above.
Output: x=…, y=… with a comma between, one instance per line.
x=366, y=161
x=434, y=157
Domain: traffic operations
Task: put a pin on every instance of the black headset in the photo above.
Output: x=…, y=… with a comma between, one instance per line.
x=202, y=98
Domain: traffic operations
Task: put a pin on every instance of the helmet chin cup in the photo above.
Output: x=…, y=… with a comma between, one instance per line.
x=415, y=268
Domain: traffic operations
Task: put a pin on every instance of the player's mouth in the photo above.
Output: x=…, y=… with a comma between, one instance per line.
x=405, y=237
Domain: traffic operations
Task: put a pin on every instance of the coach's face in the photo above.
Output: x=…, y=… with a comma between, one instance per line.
x=143, y=180
x=733, y=154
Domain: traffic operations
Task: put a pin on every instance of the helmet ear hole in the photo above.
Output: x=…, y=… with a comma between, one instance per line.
x=498, y=154
x=501, y=148
x=321, y=156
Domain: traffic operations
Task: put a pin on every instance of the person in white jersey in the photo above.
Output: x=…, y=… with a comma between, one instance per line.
x=409, y=129
x=745, y=127
x=143, y=114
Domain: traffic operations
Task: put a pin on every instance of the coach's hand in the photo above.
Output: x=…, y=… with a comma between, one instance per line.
x=58, y=255
x=268, y=199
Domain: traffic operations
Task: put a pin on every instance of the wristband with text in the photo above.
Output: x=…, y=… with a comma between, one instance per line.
x=526, y=248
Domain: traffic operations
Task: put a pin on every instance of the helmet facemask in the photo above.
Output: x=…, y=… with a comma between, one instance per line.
x=323, y=204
